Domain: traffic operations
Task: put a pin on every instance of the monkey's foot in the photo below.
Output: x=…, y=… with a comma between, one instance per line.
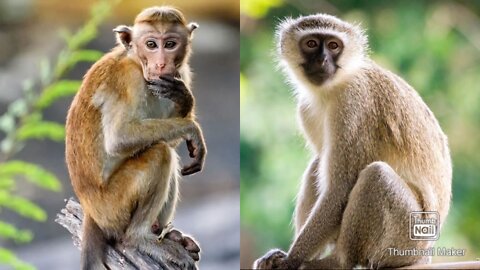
x=274, y=259
x=161, y=232
x=186, y=241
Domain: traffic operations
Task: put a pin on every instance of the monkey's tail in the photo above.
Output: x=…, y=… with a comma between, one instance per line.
x=94, y=245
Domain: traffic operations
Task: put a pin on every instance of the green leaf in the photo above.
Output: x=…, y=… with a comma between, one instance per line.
x=22, y=206
x=7, y=123
x=28, y=92
x=9, y=231
x=42, y=130
x=82, y=36
x=32, y=172
x=57, y=90
x=8, y=258
x=27, y=85
x=7, y=145
x=45, y=71
x=18, y=108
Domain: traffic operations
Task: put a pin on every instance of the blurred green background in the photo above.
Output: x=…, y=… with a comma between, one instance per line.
x=434, y=45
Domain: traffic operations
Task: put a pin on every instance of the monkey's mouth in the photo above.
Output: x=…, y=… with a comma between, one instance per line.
x=318, y=77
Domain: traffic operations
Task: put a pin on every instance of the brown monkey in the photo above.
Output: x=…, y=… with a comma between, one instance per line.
x=133, y=108
x=378, y=152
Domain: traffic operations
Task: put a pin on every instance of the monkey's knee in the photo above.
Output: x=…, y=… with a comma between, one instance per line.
x=375, y=172
x=380, y=178
x=376, y=218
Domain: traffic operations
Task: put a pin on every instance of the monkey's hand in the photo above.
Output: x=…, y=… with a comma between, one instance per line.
x=197, y=150
x=174, y=89
x=274, y=259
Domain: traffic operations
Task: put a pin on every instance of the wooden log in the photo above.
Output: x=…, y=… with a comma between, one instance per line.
x=450, y=265
x=174, y=256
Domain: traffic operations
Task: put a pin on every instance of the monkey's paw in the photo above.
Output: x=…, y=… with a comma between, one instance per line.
x=161, y=231
x=186, y=241
x=274, y=259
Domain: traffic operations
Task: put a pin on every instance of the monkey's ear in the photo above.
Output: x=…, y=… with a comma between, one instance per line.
x=124, y=35
x=192, y=26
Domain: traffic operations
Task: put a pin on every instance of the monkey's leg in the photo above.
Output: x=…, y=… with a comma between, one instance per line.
x=375, y=219
x=165, y=217
x=155, y=173
x=166, y=214
x=153, y=176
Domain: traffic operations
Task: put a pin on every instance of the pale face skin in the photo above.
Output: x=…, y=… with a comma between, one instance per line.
x=160, y=49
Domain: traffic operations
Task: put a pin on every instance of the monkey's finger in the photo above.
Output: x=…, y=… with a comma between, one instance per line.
x=153, y=82
x=167, y=78
x=165, y=86
x=179, y=83
x=191, y=148
x=192, y=168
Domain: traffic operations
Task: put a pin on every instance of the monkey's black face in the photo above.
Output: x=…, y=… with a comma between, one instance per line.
x=320, y=54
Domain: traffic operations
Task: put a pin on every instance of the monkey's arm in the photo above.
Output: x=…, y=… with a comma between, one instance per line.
x=175, y=89
x=326, y=214
x=126, y=132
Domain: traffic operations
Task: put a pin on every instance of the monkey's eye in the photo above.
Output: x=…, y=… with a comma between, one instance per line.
x=170, y=44
x=312, y=44
x=332, y=45
x=151, y=44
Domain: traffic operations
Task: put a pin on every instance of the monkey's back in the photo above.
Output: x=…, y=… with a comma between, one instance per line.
x=84, y=136
x=405, y=134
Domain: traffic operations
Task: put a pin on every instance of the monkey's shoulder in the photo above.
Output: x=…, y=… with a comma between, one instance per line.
x=382, y=84
x=114, y=70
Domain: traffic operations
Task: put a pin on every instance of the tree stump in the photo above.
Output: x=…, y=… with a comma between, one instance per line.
x=174, y=256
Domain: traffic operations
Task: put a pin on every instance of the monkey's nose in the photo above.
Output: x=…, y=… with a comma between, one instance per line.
x=159, y=67
x=322, y=61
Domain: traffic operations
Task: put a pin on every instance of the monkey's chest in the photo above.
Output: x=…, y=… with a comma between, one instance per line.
x=313, y=122
x=157, y=107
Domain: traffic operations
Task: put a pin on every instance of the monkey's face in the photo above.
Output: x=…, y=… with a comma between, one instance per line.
x=319, y=50
x=161, y=49
x=320, y=55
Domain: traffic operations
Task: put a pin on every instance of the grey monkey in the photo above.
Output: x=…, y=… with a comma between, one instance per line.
x=378, y=152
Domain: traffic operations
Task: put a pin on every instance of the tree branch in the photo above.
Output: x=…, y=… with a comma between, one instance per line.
x=175, y=257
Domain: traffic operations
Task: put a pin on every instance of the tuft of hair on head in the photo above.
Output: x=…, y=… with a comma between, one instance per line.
x=167, y=14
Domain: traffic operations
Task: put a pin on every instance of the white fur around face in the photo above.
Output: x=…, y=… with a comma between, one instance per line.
x=289, y=34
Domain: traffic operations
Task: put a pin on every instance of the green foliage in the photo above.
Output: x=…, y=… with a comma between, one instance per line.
x=32, y=172
x=258, y=8
x=8, y=258
x=11, y=232
x=428, y=43
x=57, y=90
x=22, y=206
x=23, y=121
x=41, y=130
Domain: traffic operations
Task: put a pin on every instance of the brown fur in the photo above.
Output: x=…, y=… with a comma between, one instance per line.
x=120, y=147
x=379, y=154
